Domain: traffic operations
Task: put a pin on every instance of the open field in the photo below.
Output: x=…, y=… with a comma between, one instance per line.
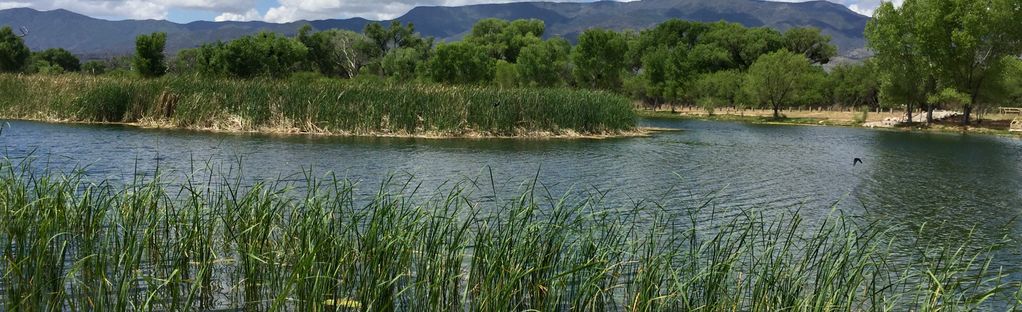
x=148, y=245
x=373, y=108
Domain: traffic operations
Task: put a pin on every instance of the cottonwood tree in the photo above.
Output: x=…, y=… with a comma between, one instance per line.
x=546, y=64
x=59, y=57
x=504, y=40
x=337, y=53
x=14, y=54
x=149, y=58
x=905, y=72
x=461, y=63
x=809, y=42
x=779, y=78
x=599, y=59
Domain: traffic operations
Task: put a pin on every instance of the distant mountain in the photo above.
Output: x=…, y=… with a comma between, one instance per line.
x=93, y=37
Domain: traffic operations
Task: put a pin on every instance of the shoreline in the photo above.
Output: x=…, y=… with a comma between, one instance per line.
x=822, y=122
x=568, y=134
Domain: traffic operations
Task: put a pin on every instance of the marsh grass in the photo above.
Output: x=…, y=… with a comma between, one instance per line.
x=216, y=243
x=314, y=106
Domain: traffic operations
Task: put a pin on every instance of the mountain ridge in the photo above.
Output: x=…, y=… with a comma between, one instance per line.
x=92, y=37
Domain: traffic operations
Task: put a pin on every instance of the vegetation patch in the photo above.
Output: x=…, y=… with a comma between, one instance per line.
x=316, y=106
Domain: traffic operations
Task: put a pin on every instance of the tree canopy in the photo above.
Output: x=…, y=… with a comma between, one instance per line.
x=14, y=53
x=149, y=58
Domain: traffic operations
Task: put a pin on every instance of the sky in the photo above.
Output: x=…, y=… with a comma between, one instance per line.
x=277, y=11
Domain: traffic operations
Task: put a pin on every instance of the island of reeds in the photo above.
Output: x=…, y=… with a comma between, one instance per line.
x=219, y=243
x=320, y=106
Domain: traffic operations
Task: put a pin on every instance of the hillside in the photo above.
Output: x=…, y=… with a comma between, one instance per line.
x=95, y=37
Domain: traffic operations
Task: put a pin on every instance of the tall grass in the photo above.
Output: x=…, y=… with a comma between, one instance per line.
x=70, y=245
x=318, y=106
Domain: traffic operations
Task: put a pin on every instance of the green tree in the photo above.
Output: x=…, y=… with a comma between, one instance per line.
x=396, y=36
x=967, y=42
x=14, y=54
x=94, y=68
x=1013, y=81
x=809, y=42
x=60, y=57
x=506, y=74
x=599, y=59
x=264, y=54
x=149, y=58
x=723, y=86
x=504, y=40
x=905, y=73
x=401, y=63
x=745, y=45
x=337, y=53
x=461, y=63
x=779, y=78
x=854, y=85
x=546, y=64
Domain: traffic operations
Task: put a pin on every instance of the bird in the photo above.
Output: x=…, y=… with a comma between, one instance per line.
x=856, y=161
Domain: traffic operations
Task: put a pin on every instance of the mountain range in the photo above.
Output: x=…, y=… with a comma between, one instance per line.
x=95, y=38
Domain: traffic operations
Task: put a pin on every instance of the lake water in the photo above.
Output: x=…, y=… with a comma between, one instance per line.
x=954, y=183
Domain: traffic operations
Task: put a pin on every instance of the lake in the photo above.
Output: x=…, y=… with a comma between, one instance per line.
x=952, y=183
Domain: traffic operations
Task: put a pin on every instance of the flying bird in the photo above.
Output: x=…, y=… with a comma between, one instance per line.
x=856, y=161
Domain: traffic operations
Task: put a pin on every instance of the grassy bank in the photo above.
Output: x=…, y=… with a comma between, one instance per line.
x=314, y=106
x=72, y=245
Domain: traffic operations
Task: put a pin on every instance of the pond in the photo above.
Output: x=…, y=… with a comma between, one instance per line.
x=954, y=184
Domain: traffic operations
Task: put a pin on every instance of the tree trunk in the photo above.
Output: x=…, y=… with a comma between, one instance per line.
x=777, y=111
x=929, y=114
x=968, y=115
x=908, y=112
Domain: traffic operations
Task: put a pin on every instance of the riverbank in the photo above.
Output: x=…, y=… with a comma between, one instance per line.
x=320, y=245
x=321, y=107
x=992, y=125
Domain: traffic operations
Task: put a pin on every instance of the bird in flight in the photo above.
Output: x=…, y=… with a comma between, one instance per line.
x=856, y=161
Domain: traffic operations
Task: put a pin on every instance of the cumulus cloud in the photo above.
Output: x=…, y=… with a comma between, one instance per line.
x=250, y=15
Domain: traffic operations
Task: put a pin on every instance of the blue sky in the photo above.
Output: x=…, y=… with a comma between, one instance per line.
x=274, y=10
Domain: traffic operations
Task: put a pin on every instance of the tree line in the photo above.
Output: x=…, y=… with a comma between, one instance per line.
x=674, y=63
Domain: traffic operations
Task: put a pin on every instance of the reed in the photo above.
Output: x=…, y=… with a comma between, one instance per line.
x=217, y=243
x=315, y=106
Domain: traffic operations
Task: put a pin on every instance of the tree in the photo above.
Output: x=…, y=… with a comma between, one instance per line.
x=504, y=40
x=401, y=63
x=1013, y=81
x=599, y=59
x=337, y=53
x=264, y=54
x=745, y=45
x=506, y=74
x=149, y=58
x=94, y=68
x=967, y=42
x=905, y=73
x=723, y=86
x=59, y=57
x=809, y=42
x=460, y=63
x=854, y=85
x=546, y=64
x=779, y=78
x=14, y=53
x=396, y=36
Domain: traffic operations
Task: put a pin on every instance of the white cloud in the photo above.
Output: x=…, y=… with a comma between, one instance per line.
x=250, y=15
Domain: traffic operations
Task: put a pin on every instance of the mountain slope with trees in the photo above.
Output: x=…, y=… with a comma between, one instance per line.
x=92, y=37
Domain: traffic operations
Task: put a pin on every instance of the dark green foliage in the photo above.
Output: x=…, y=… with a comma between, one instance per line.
x=504, y=40
x=808, y=41
x=59, y=57
x=94, y=68
x=723, y=87
x=396, y=36
x=338, y=53
x=546, y=64
x=149, y=58
x=261, y=55
x=781, y=78
x=461, y=63
x=854, y=85
x=14, y=54
x=599, y=59
x=402, y=64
